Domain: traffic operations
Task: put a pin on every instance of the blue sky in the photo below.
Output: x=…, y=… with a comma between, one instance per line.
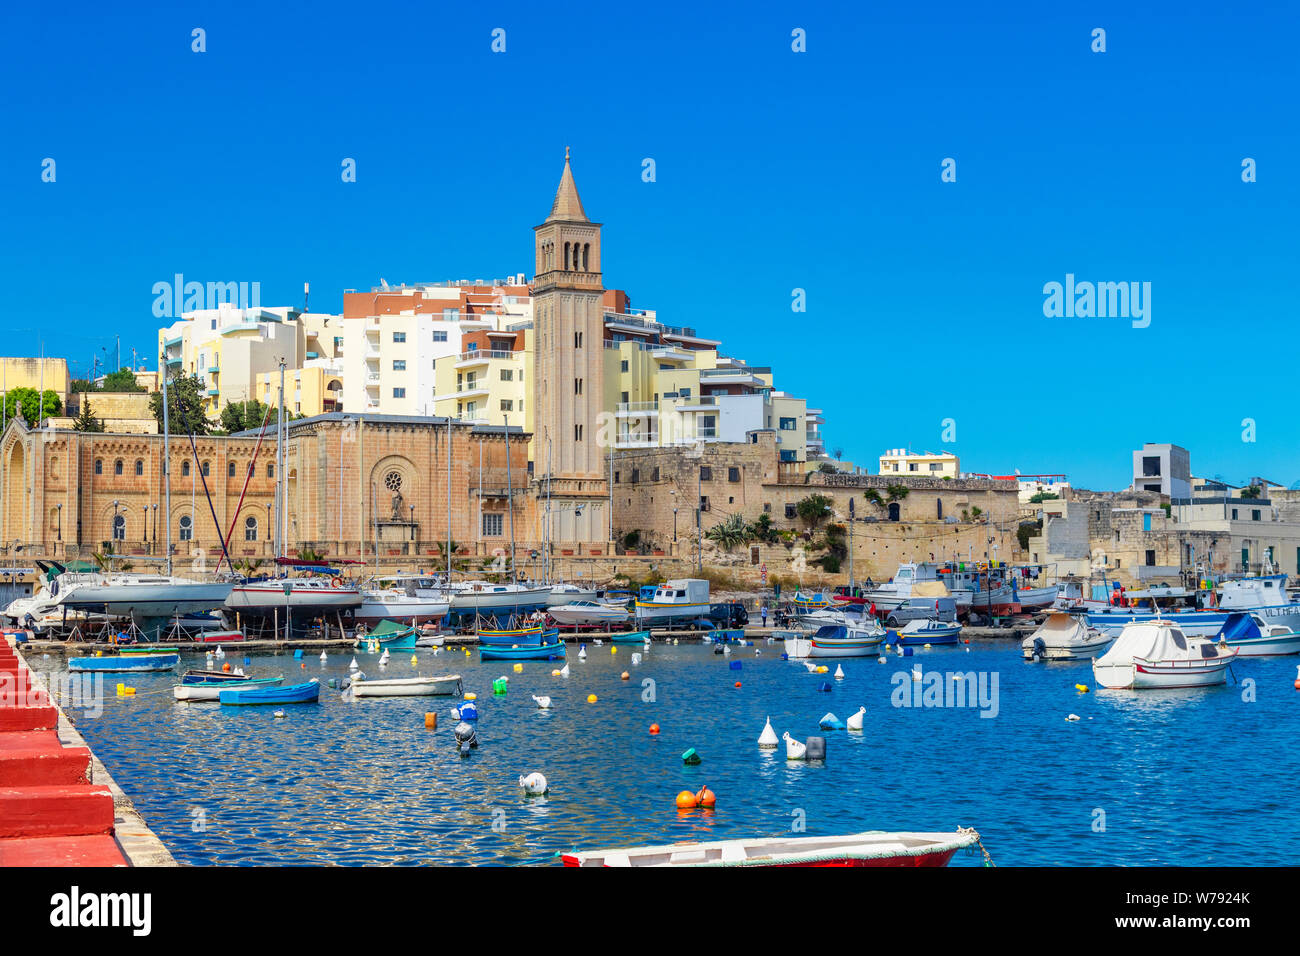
x=775, y=170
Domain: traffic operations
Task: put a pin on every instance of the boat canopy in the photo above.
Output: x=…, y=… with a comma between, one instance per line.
x=930, y=589
x=1059, y=630
x=1149, y=640
x=1237, y=627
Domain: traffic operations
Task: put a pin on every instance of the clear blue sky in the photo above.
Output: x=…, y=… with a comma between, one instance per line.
x=776, y=170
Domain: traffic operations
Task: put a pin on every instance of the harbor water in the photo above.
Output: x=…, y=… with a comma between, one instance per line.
x=1191, y=777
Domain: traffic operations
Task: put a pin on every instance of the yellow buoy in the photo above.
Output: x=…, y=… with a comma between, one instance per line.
x=822, y=669
x=415, y=661
x=1081, y=688
x=471, y=696
x=555, y=673
x=519, y=668
x=614, y=649
x=591, y=698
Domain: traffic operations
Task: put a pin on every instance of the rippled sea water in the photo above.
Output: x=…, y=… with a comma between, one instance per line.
x=1192, y=777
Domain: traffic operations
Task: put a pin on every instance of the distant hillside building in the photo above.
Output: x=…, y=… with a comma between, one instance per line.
x=1162, y=468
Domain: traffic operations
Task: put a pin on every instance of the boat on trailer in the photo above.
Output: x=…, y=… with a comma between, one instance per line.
x=536, y=652
x=445, y=686
x=874, y=848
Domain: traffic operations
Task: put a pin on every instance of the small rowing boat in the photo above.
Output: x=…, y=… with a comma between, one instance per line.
x=920, y=632
x=629, y=637
x=211, y=690
x=407, y=687
x=874, y=848
x=307, y=693
x=532, y=635
x=391, y=635
x=539, y=652
x=124, y=663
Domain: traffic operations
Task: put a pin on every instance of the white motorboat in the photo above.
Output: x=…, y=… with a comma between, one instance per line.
x=142, y=596
x=445, y=686
x=395, y=604
x=678, y=601
x=578, y=613
x=1064, y=637
x=837, y=640
x=1157, y=654
x=1265, y=596
x=485, y=596
x=914, y=580
x=1250, y=635
x=568, y=594
x=307, y=597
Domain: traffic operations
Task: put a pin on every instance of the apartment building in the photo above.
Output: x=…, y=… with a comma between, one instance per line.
x=234, y=351
x=901, y=461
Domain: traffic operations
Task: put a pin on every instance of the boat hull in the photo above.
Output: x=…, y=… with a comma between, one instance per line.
x=938, y=635
x=1075, y=652
x=126, y=664
x=543, y=652
x=1156, y=675
x=522, y=637
x=264, y=602
x=466, y=601
x=307, y=693
x=212, y=691
x=652, y=613
x=586, y=616
x=850, y=647
x=1276, y=645
x=409, y=687
x=146, y=601
x=416, y=611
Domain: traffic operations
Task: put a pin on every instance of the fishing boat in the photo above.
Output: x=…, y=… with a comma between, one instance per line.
x=531, y=635
x=406, y=686
x=211, y=690
x=928, y=632
x=1265, y=596
x=536, y=652
x=1113, y=620
x=587, y=613
x=1157, y=654
x=874, y=848
x=1250, y=635
x=629, y=637
x=804, y=603
x=124, y=663
x=391, y=635
x=838, y=640
x=915, y=580
x=1064, y=637
x=679, y=601
x=193, y=676
x=307, y=693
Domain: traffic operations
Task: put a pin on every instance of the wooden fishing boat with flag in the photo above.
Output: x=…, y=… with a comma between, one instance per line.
x=874, y=848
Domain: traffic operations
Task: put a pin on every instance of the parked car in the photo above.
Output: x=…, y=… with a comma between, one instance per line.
x=728, y=614
x=923, y=609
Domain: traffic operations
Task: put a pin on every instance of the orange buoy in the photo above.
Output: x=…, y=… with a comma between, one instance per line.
x=225, y=668
x=654, y=728
x=706, y=798
x=431, y=721
x=303, y=665
x=1297, y=683
x=626, y=675
x=737, y=683
x=686, y=800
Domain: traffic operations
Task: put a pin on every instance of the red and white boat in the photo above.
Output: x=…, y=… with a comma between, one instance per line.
x=1157, y=654
x=874, y=848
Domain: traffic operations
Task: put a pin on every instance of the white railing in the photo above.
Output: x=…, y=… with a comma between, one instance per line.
x=486, y=354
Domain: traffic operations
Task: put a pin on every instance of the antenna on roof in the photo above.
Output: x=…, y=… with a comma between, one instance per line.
x=383, y=283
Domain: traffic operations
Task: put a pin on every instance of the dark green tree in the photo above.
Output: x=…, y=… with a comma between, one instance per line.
x=185, y=407
x=29, y=401
x=813, y=509
x=241, y=416
x=86, y=421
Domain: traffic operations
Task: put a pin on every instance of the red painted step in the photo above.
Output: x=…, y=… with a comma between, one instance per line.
x=51, y=811
x=28, y=718
x=44, y=766
x=62, y=851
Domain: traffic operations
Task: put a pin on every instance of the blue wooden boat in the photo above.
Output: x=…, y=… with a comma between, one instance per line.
x=533, y=636
x=307, y=693
x=212, y=677
x=391, y=635
x=124, y=664
x=541, y=652
x=632, y=637
x=734, y=635
x=918, y=633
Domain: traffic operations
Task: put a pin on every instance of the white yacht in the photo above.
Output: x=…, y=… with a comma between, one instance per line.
x=577, y=613
x=307, y=597
x=141, y=597
x=567, y=593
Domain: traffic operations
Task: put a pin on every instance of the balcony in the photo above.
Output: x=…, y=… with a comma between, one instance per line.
x=636, y=409
x=705, y=403
x=481, y=357
x=637, y=441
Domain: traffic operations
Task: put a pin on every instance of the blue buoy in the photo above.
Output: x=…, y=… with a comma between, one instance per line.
x=735, y=665
x=785, y=656
x=908, y=652
x=247, y=660
x=825, y=685
x=297, y=655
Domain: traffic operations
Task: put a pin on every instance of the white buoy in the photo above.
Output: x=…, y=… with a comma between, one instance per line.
x=220, y=652
x=839, y=672
x=1072, y=717
x=855, y=720
x=564, y=671
x=757, y=652
x=636, y=658
x=542, y=702
x=239, y=671
x=354, y=665
x=324, y=657
x=725, y=649
x=793, y=749
x=598, y=642
x=278, y=714
x=882, y=659
x=582, y=653
x=534, y=784
x=767, y=739
x=916, y=672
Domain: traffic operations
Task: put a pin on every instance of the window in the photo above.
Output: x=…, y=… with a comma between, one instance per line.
x=767, y=507
x=270, y=471
x=507, y=405
x=893, y=511
x=622, y=366
x=399, y=393
x=622, y=397
x=704, y=502
x=187, y=528
x=683, y=392
x=230, y=469
x=185, y=468
x=399, y=365
x=507, y=375
x=577, y=340
x=636, y=475
x=789, y=425
x=450, y=315
x=1150, y=466
x=119, y=527
x=706, y=473
x=492, y=525
x=654, y=475
x=577, y=433
x=1234, y=514
x=250, y=528
x=139, y=466
x=911, y=466
x=99, y=466
x=207, y=468
x=938, y=505
x=617, y=475
x=399, y=337
x=577, y=386
x=789, y=511
x=936, y=466
x=117, y=467
x=733, y=474
x=1151, y=558
x=439, y=335
x=1254, y=514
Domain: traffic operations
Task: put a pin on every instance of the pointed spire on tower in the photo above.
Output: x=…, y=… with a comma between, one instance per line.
x=567, y=205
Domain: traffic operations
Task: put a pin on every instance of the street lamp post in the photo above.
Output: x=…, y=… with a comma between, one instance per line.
x=59, y=511
x=155, y=525
x=674, y=526
x=288, y=588
x=145, y=529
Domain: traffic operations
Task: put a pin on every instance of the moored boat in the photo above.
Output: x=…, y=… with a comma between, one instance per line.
x=928, y=632
x=1250, y=635
x=124, y=663
x=629, y=637
x=530, y=636
x=391, y=635
x=1064, y=637
x=307, y=693
x=535, y=652
x=873, y=848
x=407, y=686
x=840, y=640
x=211, y=690
x=1157, y=654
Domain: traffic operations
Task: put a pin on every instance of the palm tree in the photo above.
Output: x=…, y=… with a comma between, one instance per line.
x=730, y=533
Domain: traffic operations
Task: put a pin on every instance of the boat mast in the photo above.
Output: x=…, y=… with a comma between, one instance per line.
x=167, y=479
x=449, y=503
x=510, y=499
x=279, y=471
